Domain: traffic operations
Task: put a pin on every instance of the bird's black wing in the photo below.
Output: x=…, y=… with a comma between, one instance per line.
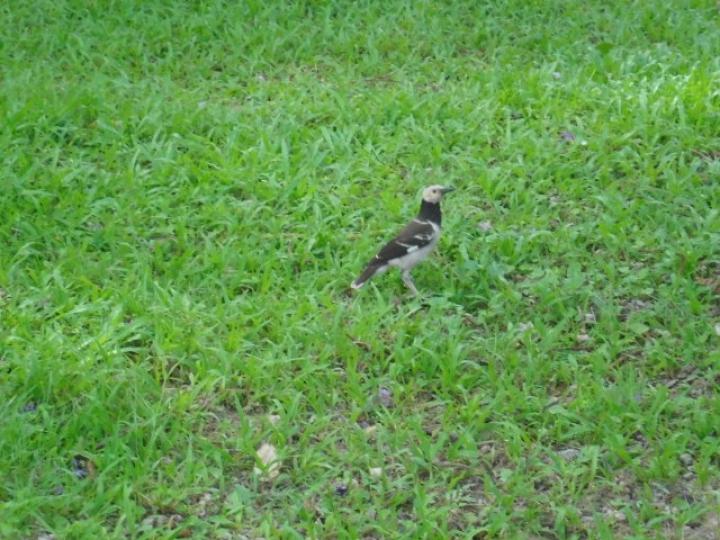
x=417, y=234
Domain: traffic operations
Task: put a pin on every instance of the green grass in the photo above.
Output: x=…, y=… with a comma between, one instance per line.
x=188, y=189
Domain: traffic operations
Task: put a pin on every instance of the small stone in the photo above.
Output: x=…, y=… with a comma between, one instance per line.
x=267, y=454
x=556, y=75
x=525, y=326
x=717, y=329
x=376, y=472
x=82, y=467
x=29, y=407
x=153, y=521
x=58, y=490
x=341, y=490
x=686, y=459
x=569, y=454
x=46, y=536
x=590, y=317
x=583, y=338
x=273, y=419
x=616, y=515
x=370, y=430
x=385, y=397
x=202, y=505
x=567, y=136
x=485, y=226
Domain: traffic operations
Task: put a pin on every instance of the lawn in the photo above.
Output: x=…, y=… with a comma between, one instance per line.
x=188, y=189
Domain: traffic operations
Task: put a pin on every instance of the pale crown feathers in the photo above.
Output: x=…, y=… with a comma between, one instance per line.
x=434, y=194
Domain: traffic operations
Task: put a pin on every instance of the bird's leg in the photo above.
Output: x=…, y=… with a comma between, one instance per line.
x=408, y=281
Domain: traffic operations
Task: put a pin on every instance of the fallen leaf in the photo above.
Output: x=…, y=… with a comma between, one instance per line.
x=267, y=454
x=362, y=345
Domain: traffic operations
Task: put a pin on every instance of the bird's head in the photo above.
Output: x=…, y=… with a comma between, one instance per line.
x=434, y=194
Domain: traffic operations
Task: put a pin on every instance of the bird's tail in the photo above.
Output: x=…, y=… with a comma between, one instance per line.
x=372, y=269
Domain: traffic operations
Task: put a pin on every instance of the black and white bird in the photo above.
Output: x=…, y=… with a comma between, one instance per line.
x=413, y=244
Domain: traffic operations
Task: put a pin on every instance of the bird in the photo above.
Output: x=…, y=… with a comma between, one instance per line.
x=413, y=244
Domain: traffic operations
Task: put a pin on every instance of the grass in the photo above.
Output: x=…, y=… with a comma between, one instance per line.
x=188, y=189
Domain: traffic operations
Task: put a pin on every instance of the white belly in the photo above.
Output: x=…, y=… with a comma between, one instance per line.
x=408, y=261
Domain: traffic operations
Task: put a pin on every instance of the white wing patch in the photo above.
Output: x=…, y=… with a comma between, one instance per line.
x=408, y=247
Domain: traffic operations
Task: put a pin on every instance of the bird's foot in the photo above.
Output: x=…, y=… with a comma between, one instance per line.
x=409, y=283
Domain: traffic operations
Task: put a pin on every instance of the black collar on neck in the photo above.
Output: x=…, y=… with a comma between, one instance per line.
x=430, y=212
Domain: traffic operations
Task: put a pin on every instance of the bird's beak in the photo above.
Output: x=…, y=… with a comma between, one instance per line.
x=447, y=190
